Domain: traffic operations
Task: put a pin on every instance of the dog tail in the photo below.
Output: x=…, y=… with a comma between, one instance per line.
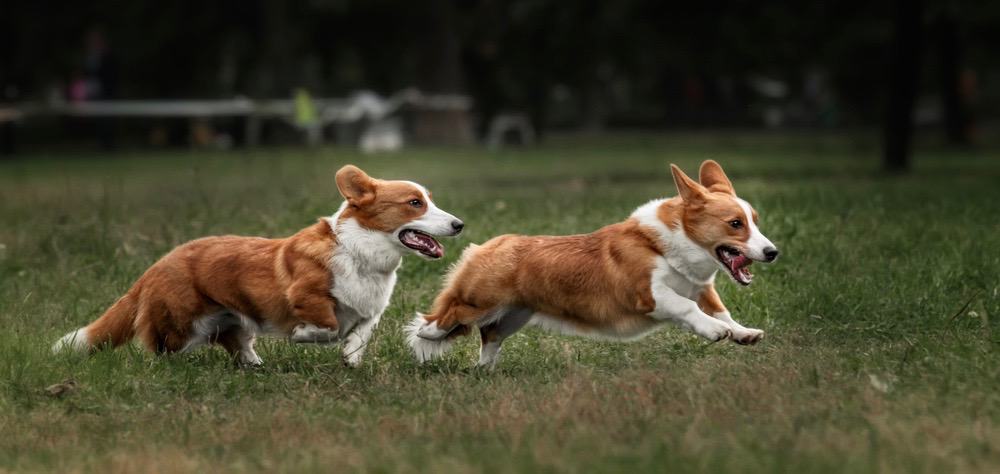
x=114, y=328
x=427, y=340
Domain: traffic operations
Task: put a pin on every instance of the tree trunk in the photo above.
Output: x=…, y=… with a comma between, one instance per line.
x=440, y=72
x=955, y=118
x=903, y=81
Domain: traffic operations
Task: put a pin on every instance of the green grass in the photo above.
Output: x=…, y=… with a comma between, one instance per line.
x=881, y=317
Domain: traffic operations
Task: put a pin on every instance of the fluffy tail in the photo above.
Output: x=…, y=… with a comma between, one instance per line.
x=427, y=340
x=114, y=328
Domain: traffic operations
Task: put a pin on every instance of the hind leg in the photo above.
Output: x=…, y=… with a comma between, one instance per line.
x=239, y=343
x=431, y=335
x=450, y=316
x=507, y=322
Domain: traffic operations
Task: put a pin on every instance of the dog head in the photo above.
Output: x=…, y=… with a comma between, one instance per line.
x=402, y=209
x=721, y=223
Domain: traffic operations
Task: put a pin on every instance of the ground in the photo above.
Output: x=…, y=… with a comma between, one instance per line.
x=881, y=351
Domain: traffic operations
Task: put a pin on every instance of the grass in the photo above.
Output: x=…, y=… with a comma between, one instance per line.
x=881, y=317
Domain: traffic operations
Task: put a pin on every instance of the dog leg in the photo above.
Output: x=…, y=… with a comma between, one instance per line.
x=710, y=302
x=685, y=313
x=357, y=340
x=306, y=333
x=741, y=335
x=239, y=343
x=505, y=323
x=312, y=304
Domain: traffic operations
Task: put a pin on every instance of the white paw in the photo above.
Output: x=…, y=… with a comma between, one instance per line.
x=309, y=333
x=353, y=351
x=352, y=360
x=431, y=331
x=713, y=330
x=250, y=360
x=747, y=336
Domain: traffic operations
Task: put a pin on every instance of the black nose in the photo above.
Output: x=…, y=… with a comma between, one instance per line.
x=458, y=226
x=771, y=253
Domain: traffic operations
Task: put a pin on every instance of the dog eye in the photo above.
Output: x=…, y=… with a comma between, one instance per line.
x=736, y=223
x=416, y=203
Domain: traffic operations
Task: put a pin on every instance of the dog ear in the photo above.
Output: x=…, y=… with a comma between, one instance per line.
x=356, y=186
x=687, y=188
x=713, y=178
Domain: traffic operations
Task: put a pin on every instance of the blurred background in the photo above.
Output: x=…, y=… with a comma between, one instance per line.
x=384, y=74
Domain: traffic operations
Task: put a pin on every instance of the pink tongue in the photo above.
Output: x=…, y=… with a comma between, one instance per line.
x=427, y=243
x=739, y=262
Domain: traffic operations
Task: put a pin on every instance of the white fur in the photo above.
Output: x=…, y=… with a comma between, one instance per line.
x=75, y=341
x=356, y=341
x=311, y=333
x=431, y=331
x=207, y=326
x=424, y=349
x=247, y=338
x=679, y=277
x=489, y=354
x=757, y=244
x=679, y=309
x=685, y=257
x=741, y=333
x=364, y=268
x=434, y=221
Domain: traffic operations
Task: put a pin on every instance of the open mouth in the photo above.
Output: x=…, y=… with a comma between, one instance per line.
x=737, y=264
x=421, y=242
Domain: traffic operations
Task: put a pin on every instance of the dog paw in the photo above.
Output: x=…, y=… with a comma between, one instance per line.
x=351, y=359
x=431, y=331
x=715, y=331
x=248, y=361
x=747, y=336
x=308, y=333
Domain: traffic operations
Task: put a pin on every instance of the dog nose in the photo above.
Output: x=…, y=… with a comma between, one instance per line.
x=771, y=253
x=457, y=225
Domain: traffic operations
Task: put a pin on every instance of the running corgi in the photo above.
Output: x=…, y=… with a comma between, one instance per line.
x=330, y=281
x=620, y=282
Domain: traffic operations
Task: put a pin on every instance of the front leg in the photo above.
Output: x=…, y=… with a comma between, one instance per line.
x=669, y=306
x=710, y=303
x=357, y=340
x=306, y=333
x=309, y=296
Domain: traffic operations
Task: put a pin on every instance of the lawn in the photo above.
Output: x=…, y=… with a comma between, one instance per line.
x=881, y=354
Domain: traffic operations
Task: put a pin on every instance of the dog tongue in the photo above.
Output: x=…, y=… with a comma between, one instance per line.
x=740, y=261
x=423, y=243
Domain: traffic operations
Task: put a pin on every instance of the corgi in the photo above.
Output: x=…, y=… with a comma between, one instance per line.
x=619, y=282
x=329, y=282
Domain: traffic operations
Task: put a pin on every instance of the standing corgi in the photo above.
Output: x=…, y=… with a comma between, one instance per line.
x=329, y=281
x=620, y=282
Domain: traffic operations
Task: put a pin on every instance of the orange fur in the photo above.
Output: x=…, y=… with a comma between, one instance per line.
x=598, y=283
x=709, y=300
x=590, y=281
x=277, y=284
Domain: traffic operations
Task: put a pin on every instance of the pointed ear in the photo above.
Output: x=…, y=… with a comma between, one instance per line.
x=713, y=178
x=687, y=188
x=356, y=186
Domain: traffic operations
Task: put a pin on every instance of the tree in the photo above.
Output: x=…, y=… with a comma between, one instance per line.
x=904, y=78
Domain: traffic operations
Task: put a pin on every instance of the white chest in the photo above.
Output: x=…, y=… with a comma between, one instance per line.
x=364, y=269
x=365, y=293
x=681, y=283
